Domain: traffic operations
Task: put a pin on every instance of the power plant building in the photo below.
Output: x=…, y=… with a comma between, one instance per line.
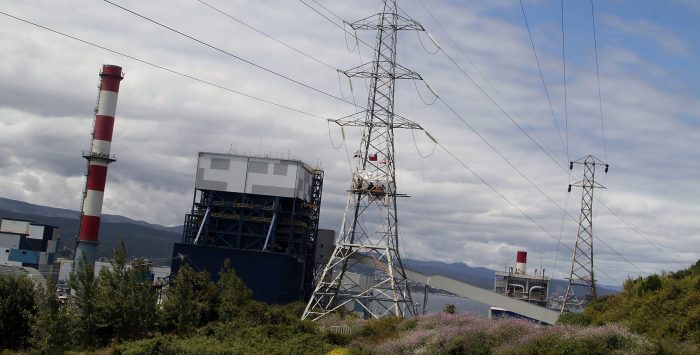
x=532, y=288
x=260, y=213
x=27, y=244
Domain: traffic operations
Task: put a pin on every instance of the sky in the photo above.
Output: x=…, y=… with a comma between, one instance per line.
x=645, y=221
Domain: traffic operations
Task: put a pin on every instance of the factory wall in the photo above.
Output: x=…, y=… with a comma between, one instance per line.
x=273, y=278
x=23, y=243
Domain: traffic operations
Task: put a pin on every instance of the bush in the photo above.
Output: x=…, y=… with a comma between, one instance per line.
x=16, y=310
x=191, y=301
x=51, y=326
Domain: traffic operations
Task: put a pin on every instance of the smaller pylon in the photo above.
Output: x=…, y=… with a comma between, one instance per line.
x=582, y=274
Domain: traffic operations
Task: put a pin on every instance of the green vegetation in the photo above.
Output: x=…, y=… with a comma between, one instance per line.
x=665, y=308
x=118, y=313
x=16, y=310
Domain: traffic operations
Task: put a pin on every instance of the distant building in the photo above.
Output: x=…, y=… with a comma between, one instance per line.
x=262, y=214
x=27, y=244
x=532, y=288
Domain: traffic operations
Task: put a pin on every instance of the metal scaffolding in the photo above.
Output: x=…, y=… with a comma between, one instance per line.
x=581, y=274
x=370, y=225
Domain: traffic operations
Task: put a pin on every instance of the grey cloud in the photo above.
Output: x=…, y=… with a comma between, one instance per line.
x=164, y=120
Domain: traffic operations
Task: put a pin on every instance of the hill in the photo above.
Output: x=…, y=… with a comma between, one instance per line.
x=153, y=241
x=664, y=307
x=143, y=240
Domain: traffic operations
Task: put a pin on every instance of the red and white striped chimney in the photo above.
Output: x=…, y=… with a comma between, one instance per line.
x=521, y=262
x=98, y=158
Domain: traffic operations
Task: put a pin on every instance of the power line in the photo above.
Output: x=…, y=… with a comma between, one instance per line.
x=512, y=204
x=265, y=34
x=597, y=73
x=508, y=161
x=502, y=156
x=563, y=57
x=530, y=181
x=327, y=9
x=523, y=131
x=232, y=55
x=488, y=82
x=490, y=98
x=172, y=71
x=500, y=108
x=544, y=84
x=636, y=230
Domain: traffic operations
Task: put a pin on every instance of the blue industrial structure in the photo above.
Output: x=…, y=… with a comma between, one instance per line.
x=262, y=215
x=27, y=244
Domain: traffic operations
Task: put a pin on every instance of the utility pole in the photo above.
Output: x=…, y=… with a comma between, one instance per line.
x=369, y=230
x=582, y=261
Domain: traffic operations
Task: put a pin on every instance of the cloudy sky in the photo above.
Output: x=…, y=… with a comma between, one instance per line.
x=649, y=81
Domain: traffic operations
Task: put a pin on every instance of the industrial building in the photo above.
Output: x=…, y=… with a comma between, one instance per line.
x=517, y=283
x=24, y=243
x=98, y=158
x=262, y=214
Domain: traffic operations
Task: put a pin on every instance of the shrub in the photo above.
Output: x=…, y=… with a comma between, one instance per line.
x=16, y=310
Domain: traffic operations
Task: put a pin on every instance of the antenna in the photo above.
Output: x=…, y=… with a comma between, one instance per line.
x=582, y=261
x=369, y=231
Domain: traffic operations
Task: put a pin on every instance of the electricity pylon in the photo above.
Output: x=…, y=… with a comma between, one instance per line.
x=369, y=230
x=582, y=261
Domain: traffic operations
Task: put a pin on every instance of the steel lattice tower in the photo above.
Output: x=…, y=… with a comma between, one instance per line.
x=582, y=261
x=369, y=230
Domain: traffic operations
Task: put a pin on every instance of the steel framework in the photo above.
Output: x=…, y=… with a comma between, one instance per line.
x=370, y=224
x=582, y=261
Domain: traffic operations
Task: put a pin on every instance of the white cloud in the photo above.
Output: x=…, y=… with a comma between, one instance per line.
x=48, y=90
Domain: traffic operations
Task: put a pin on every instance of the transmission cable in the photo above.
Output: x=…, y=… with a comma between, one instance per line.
x=512, y=204
x=497, y=105
x=544, y=84
x=549, y=102
x=230, y=54
x=265, y=34
x=494, y=102
x=523, y=131
x=476, y=67
x=563, y=58
x=172, y=71
x=449, y=107
x=631, y=226
x=508, y=161
x=597, y=73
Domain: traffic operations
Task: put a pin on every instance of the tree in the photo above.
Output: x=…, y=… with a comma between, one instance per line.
x=233, y=293
x=449, y=309
x=126, y=300
x=50, y=327
x=191, y=300
x=82, y=302
x=16, y=310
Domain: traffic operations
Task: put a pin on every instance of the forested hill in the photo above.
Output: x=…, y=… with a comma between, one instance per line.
x=142, y=239
x=664, y=307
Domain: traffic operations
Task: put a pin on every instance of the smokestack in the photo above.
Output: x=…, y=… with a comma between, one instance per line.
x=97, y=160
x=521, y=262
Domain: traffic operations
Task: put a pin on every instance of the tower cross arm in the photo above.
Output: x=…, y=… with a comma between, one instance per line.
x=583, y=183
x=366, y=71
x=374, y=23
x=360, y=120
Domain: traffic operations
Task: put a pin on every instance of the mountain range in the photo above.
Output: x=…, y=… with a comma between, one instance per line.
x=153, y=241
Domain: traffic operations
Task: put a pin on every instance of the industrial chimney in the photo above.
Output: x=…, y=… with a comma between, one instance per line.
x=521, y=262
x=97, y=160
